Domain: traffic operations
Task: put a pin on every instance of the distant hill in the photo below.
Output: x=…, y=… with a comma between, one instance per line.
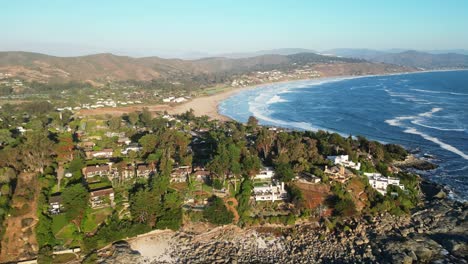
x=284, y=51
x=409, y=58
x=104, y=67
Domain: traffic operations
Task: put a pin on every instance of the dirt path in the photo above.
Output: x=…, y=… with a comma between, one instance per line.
x=232, y=208
x=19, y=241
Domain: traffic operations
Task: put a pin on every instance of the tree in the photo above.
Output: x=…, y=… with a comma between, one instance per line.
x=64, y=148
x=217, y=212
x=75, y=201
x=284, y=172
x=145, y=116
x=133, y=118
x=243, y=198
x=5, y=137
x=37, y=151
x=252, y=123
x=114, y=123
x=264, y=142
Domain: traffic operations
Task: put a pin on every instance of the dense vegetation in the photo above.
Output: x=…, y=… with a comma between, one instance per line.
x=233, y=152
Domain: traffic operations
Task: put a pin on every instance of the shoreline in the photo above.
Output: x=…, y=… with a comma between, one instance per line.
x=209, y=104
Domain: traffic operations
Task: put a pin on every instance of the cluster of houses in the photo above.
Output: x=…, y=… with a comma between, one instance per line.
x=173, y=99
x=275, y=75
x=340, y=173
x=380, y=183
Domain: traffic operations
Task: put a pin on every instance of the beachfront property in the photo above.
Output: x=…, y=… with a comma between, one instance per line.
x=306, y=177
x=339, y=174
x=102, y=197
x=91, y=171
x=270, y=193
x=344, y=160
x=380, y=183
x=105, y=153
x=266, y=173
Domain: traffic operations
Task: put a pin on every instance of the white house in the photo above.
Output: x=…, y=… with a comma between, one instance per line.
x=168, y=99
x=180, y=100
x=380, y=183
x=344, y=160
x=270, y=193
x=131, y=148
x=266, y=174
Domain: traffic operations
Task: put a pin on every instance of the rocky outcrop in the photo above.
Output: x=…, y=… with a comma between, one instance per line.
x=436, y=233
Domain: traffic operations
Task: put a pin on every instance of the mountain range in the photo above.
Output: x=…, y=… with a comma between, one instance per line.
x=109, y=67
x=411, y=58
x=106, y=66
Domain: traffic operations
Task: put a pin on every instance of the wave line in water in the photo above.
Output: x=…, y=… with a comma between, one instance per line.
x=438, y=92
x=412, y=130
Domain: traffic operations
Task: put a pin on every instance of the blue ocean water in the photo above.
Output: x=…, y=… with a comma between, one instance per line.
x=426, y=111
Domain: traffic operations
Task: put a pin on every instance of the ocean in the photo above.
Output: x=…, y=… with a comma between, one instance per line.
x=426, y=111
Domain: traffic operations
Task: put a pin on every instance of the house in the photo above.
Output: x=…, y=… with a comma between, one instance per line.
x=339, y=174
x=144, y=170
x=105, y=153
x=134, y=148
x=102, y=197
x=91, y=171
x=380, y=183
x=168, y=99
x=179, y=100
x=344, y=160
x=127, y=171
x=87, y=145
x=201, y=175
x=55, y=204
x=308, y=178
x=180, y=174
x=270, y=193
x=124, y=141
x=266, y=174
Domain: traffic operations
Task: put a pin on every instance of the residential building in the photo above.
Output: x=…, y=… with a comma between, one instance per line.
x=98, y=170
x=105, y=153
x=265, y=174
x=181, y=173
x=145, y=170
x=344, y=160
x=102, y=197
x=270, y=193
x=339, y=174
x=55, y=204
x=380, y=183
x=308, y=178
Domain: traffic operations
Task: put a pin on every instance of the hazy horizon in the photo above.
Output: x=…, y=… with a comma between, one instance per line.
x=193, y=29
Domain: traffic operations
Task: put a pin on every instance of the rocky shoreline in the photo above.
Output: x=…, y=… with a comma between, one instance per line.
x=435, y=233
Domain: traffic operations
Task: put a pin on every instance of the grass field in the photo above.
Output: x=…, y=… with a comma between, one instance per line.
x=94, y=218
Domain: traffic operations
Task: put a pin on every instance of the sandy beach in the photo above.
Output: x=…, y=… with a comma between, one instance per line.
x=204, y=105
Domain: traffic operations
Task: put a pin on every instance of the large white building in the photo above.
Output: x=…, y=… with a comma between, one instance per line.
x=266, y=174
x=270, y=193
x=380, y=183
x=344, y=160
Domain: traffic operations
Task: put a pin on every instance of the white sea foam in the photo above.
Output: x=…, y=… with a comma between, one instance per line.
x=438, y=92
x=411, y=130
x=276, y=99
x=419, y=120
x=419, y=123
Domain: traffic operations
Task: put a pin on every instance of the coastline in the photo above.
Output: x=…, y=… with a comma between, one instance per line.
x=209, y=104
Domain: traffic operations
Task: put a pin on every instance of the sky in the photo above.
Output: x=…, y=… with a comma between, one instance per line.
x=146, y=28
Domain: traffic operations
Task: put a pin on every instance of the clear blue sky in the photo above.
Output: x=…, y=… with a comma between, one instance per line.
x=217, y=26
